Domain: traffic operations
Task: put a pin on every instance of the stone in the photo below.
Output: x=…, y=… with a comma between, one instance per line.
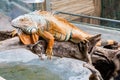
x=62, y=68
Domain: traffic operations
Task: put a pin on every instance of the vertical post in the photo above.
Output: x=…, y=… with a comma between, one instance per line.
x=47, y=5
x=97, y=8
x=33, y=6
x=39, y=6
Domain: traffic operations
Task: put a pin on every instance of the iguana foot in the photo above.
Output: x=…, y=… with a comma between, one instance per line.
x=13, y=33
x=49, y=53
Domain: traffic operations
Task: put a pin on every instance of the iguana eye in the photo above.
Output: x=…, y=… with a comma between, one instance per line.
x=24, y=19
x=21, y=19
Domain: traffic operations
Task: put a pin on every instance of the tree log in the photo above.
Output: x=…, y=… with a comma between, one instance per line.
x=62, y=49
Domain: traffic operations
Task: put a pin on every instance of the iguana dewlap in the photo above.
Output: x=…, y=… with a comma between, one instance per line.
x=48, y=26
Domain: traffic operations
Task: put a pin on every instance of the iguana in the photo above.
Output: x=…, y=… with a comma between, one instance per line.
x=50, y=27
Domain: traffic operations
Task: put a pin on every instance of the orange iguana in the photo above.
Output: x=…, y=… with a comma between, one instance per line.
x=49, y=27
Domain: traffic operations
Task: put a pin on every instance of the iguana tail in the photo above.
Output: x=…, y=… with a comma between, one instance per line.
x=107, y=43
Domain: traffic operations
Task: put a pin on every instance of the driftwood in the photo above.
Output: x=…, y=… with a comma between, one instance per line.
x=104, y=60
x=61, y=49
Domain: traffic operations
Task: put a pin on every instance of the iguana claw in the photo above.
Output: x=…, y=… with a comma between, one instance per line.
x=49, y=53
x=13, y=33
x=85, y=41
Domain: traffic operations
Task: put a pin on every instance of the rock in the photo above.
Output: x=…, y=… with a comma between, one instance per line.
x=1, y=78
x=5, y=23
x=64, y=68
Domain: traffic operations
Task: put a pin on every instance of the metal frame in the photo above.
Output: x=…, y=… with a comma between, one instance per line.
x=86, y=16
x=21, y=7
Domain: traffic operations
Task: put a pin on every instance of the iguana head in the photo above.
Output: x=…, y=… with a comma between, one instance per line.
x=25, y=23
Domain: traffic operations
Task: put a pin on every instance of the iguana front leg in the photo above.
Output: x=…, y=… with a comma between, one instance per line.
x=50, y=40
x=13, y=33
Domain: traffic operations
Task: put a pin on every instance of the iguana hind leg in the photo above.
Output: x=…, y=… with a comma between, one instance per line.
x=83, y=44
x=77, y=38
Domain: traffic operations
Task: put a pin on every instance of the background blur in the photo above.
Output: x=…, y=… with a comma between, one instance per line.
x=10, y=9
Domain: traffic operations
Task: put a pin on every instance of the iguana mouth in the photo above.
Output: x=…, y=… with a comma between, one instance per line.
x=16, y=27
